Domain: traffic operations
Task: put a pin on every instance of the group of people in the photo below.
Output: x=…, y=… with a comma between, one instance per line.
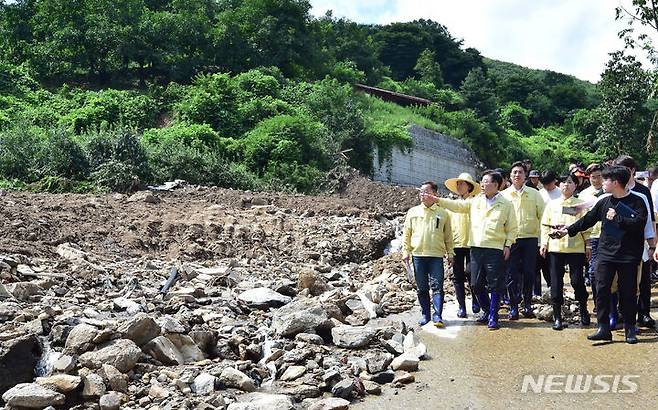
x=501, y=235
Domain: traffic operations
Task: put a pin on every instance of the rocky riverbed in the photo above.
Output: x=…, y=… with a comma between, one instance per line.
x=204, y=298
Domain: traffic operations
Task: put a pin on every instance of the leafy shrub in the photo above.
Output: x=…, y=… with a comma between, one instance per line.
x=256, y=109
x=285, y=138
x=515, y=117
x=254, y=83
x=422, y=89
x=283, y=176
x=61, y=156
x=347, y=72
x=15, y=80
x=118, y=150
x=19, y=149
x=212, y=100
x=111, y=107
x=198, y=136
x=117, y=176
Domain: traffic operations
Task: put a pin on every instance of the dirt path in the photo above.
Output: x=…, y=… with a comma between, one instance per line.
x=474, y=368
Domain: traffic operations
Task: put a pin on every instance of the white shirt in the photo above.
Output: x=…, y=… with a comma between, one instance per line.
x=490, y=201
x=550, y=195
x=654, y=195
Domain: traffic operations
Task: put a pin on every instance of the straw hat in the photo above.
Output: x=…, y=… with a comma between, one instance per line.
x=451, y=183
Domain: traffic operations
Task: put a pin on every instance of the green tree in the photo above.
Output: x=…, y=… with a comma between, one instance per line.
x=428, y=69
x=477, y=90
x=625, y=119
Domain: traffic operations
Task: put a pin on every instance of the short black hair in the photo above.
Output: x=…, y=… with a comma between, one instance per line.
x=520, y=164
x=432, y=184
x=626, y=161
x=501, y=171
x=567, y=175
x=547, y=177
x=495, y=175
x=619, y=173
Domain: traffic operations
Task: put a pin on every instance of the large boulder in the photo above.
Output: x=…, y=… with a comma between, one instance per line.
x=163, y=350
x=303, y=315
x=141, y=329
x=189, y=351
x=405, y=361
x=24, y=290
x=80, y=338
x=352, y=337
x=235, y=378
x=263, y=401
x=263, y=298
x=62, y=383
x=330, y=403
x=121, y=353
x=18, y=358
x=32, y=396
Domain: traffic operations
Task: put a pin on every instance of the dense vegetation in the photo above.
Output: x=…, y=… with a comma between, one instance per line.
x=257, y=94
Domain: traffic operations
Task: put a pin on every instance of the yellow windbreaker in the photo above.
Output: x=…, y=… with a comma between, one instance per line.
x=427, y=232
x=528, y=208
x=554, y=215
x=461, y=226
x=493, y=227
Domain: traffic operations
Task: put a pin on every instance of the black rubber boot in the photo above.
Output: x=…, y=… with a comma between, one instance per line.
x=557, y=317
x=584, y=314
x=602, y=333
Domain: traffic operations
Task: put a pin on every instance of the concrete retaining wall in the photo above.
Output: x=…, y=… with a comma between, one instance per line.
x=434, y=157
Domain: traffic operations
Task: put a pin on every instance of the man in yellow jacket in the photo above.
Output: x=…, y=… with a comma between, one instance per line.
x=427, y=239
x=492, y=233
x=528, y=209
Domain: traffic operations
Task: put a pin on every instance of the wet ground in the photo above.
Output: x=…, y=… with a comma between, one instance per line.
x=475, y=368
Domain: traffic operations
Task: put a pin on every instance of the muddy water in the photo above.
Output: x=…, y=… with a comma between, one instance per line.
x=474, y=368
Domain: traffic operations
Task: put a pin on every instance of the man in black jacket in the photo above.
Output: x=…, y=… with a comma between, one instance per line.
x=644, y=299
x=623, y=216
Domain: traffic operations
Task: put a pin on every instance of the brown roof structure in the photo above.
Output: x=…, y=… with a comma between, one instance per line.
x=398, y=98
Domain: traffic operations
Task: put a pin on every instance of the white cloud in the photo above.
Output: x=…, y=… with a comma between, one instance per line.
x=567, y=36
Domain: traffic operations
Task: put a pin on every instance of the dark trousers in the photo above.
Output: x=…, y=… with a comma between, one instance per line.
x=591, y=269
x=487, y=270
x=521, y=270
x=542, y=269
x=462, y=258
x=429, y=274
x=576, y=262
x=644, y=300
x=626, y=287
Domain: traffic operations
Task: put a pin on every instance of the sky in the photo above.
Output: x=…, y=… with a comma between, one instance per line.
x=568, y=36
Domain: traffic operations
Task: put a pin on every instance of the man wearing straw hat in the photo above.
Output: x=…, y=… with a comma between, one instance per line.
x=528, y=208
x=466, y=188
x=493, y=230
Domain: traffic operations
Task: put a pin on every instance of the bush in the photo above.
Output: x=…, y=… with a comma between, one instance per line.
x=513, y=116
x=19, y=149
x=117, y=176
x=111, y=107
x=116, y=150
x=283, y=176
x=61, y=156
x=212, y=100
x=198, y=136
x=347, y=72
x=15, y=80
x=285, y=138
x=172, y=159
x=256, y=109
x=254, y=83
